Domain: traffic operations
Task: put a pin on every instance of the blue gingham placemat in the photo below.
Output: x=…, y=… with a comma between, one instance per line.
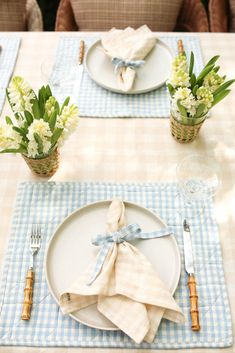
x=8, y=55
x=95, y=101
x=49, y=204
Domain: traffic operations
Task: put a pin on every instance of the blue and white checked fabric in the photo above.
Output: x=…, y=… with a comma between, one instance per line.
x=95, y=101
x=8, y=55
x=119, y=63
x=49, y=204
x=128, y=233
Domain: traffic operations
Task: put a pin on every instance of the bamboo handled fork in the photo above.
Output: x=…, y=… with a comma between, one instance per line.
x=35, y=243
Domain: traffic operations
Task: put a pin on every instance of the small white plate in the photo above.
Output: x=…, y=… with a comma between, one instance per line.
x=152, y=75
x=70, y=251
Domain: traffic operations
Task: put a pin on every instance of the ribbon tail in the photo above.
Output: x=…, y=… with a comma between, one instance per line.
x=156, y=234
x=99, y=262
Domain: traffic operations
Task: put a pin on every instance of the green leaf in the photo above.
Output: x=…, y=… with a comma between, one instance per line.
x=35, y=109
x=182, y=109
x=41, y=101
x=8, y=98
x=171, y=89
x=223, y=87
x=8, y=120
x=28, y=117
x=21, y=131
x=203, y=73
x=48, y=91
x=57, y=107
x=11, y=105
x=45, y=117
x=191, y=64
x=13, y=150
x=24, y=144
x=216, y=68
x=52, y=120
x=66, y=102
x=45, y=94
x=56, y=135
x=195, y=88
x=192, y=80
x=220, y=96
x=212, y=61
x=200, y=110
x=25, y=126
x=39, y=142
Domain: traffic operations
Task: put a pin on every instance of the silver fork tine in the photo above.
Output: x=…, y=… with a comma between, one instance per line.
x=38, y=234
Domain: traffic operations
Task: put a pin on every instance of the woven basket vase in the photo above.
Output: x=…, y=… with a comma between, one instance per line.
x=44, y=167
x=184, y=133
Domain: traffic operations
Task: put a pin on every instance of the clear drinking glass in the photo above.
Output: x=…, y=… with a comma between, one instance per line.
x=198, y=177
x=60, y=75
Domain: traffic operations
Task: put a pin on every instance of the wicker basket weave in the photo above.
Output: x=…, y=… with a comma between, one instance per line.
x=44, y=167
x=184, y=133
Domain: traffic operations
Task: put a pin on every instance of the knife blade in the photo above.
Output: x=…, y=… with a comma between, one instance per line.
x=79, y=70
x=189, y=267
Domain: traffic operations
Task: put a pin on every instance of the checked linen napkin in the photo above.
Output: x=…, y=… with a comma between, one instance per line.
x=127, y=48
x=121, y=280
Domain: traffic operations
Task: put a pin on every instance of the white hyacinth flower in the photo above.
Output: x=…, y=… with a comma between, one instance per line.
x=212, y=81
x=42, y=128
x=204, y=96
x=32, y=149
x=183, y=93
x=68, y=120
x=180, y=78
x=20, y=94
x=9, y=138
x=187, y=100
x=50, y=106
x=180, y=63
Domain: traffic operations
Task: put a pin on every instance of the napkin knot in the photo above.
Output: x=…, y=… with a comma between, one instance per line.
x=118, y=238
x=128, y=233
x=119, y=63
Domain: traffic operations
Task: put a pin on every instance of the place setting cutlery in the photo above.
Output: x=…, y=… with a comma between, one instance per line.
x=35, y=244
x=79, y=68
x=80, y=60
x=189, y=267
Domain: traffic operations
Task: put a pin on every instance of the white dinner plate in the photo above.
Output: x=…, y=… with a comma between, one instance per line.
x=152, y=75
x=70, y=251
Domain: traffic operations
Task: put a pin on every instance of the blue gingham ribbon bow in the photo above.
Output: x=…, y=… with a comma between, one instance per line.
x=133, y=64
x=128, y=233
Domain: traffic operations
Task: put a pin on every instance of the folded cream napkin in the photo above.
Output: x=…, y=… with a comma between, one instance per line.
x=125, y=287
x=128, y=47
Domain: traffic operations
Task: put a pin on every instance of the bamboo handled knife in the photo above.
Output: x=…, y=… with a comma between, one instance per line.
x=79, y=71
x=189, y=267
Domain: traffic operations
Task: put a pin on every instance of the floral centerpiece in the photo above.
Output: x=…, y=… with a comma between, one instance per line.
x=193, y=96
x=39, y=127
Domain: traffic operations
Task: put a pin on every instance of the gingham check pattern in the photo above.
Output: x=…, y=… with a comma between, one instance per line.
x=8, y=55
x=49, y=204
x=94, y=101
